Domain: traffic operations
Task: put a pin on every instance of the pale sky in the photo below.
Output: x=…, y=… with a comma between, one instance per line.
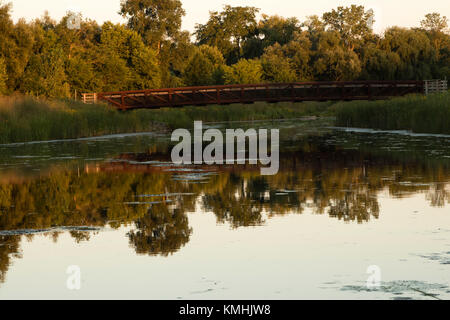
x=405, y=13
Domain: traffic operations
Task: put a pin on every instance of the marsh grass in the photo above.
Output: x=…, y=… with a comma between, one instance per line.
x=24, y=119
x=417, y=113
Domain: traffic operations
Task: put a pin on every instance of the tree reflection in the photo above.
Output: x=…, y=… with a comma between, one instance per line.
x=160, y=231
x=344, y=184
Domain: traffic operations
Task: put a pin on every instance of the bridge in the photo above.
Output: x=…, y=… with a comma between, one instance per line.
x=272, y=93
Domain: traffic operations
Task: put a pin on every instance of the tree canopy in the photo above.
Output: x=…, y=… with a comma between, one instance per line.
x=45, y=57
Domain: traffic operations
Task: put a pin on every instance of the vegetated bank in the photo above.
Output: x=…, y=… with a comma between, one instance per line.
x=416, y=113
x=24, y=119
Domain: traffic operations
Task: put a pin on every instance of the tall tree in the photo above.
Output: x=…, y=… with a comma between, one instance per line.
x=16, y=45
x=174, y=58
x=290, y=62
x=333, y=61
x=45, y=74
x=353, y=23
x=140, y=64
x=414, y=48
x=434, y=22
x=228, y=30
x=3, y=76
x=271, y=30
x=154, y=20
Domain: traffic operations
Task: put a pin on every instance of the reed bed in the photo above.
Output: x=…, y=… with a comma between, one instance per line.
x=416, y=113
x=24, y=119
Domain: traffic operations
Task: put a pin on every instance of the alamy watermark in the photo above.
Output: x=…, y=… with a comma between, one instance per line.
x=235, y=142
x=74, y=278
x=374, y=280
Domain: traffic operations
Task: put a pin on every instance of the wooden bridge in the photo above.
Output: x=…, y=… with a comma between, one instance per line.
x=250, y=93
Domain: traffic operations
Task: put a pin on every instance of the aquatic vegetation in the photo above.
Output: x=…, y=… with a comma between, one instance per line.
x=420, y=114
x=25, y=119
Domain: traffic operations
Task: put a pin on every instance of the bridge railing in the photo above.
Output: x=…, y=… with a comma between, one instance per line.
x=250, y=93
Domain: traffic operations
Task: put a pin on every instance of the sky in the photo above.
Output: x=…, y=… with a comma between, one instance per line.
x=405, y=13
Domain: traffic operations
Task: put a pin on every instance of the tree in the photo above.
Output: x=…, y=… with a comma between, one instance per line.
x=3, y=76
x=205, y=67
x=434, y=22
x=288, y=62
x=174, y=58
x=16, y=46
x=244, y=72
x=334, y=62
x=436, y=28
x=139, y=62
x=45, y=74
x=81, y=48
x=270, y=30
x=154, y=20
x=414, y=48
x=277, y=68
x=378, y=64
x=353, y=23
x=228, y=30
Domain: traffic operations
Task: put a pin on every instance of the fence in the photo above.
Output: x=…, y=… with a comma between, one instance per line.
x=89, y=98
x=435, y=86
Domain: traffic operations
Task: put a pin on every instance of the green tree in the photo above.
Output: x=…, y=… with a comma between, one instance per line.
x=174, y=58
x=434, y=22
x=276, y=68
x=436, y=28
x=244, y=72
x=45, y=72
x=414, y=49
x=271, y=30
x=353, y=23
x=16, y=46
x=334, y=62
x=3, y=76
x=205, y=67
x=154, y=20
x=290, y=62
x=139, y=63
x=228, y=30
x=379, y=64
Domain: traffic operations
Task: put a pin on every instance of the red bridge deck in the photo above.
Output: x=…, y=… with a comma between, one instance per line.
x=229, y=94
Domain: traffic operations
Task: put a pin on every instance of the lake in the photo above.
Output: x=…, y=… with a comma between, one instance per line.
x=347, y=207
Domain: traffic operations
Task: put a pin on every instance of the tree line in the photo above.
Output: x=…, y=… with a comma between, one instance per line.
x=50, y=58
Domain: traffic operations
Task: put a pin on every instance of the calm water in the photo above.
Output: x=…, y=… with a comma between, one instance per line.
x=140, y=228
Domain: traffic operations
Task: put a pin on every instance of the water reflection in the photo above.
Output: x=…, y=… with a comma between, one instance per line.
x=144, y=191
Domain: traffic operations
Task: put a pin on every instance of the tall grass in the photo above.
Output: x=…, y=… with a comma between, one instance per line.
x=417, y=113
x=25, y=119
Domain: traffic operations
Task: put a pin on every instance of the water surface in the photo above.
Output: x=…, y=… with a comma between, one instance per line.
x=141, y=228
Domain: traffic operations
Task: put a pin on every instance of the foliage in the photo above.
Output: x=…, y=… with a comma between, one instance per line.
x=228, y=30
x=244, y=72
x=205, y=67
x=3, y=76
x=434, y=22
x=353, y=23
x=47, y=59
x=154, y=20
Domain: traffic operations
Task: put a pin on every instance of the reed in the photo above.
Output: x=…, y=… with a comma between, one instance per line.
x=24, y=119
x=416, y=113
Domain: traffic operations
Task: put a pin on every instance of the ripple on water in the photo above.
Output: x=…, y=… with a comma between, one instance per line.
x=397, y=288
x=37, y=231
